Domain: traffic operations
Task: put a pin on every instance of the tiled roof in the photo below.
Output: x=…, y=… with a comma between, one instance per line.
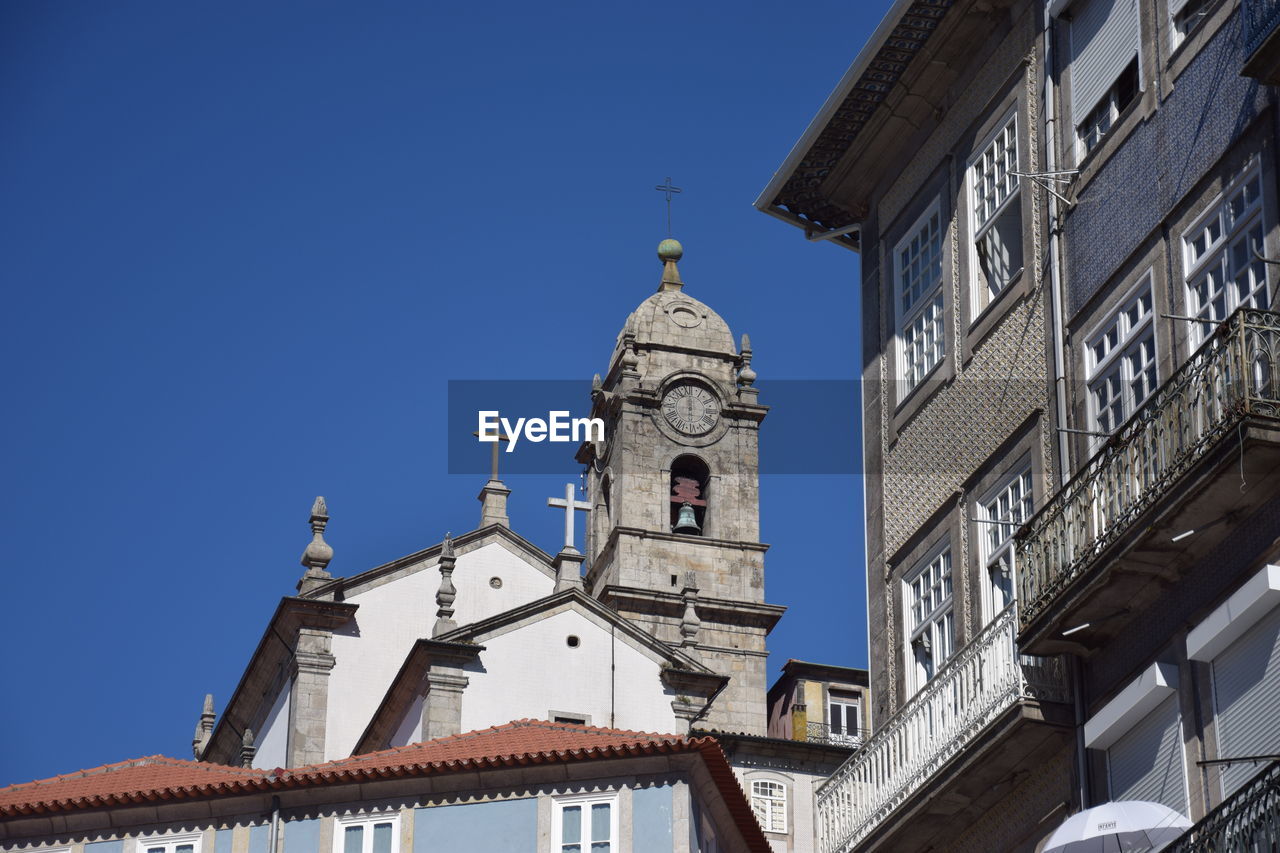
x=141, y=779
x=514, y=744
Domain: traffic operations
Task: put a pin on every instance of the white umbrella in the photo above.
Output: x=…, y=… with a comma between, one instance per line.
x=1118, y=827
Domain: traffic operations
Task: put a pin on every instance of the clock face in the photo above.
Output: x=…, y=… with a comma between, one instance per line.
x=691, y=409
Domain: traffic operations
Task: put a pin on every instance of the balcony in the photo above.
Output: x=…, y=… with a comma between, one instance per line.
x=1249, y=821
x=1259, y=20
x=943, y=756
x=823, y=733
x=1197, y=458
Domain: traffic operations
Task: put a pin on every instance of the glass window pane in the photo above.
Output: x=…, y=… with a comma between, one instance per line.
x=571, y=824
x=184, y=848
x=353, y=839
x=382, y=838
x=600, y=822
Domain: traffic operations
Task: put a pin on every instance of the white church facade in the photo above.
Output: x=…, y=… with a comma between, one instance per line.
x=657, y=626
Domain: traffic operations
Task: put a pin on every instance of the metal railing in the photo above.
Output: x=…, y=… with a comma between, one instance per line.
x=1234, y=375
x=1248, y=822
x=823, y=733
x=1258, y=20
x=971, y=691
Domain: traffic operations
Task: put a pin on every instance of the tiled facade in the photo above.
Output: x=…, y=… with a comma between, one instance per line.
x=1166, y=521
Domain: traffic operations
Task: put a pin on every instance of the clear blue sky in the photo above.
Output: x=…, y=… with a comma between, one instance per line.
x=245, y=246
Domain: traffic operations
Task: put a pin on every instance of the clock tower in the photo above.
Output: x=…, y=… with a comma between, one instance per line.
x=673, y=539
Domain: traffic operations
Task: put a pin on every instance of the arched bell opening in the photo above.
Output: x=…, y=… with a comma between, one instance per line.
x=688, y=496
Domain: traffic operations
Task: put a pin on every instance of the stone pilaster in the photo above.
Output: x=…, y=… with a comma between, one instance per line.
x=442, y=710
x=309, y=702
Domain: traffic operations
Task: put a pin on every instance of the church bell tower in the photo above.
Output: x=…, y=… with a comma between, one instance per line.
x=673, y=540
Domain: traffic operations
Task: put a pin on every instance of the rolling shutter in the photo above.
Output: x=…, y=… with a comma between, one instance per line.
x=1246, y=685
x=1175, y=6
x=1145, y=763
x=1104, y=40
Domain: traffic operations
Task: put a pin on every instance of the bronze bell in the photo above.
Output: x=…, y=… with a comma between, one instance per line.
x=686, y=522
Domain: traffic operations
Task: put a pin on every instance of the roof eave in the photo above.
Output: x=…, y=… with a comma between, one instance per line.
x=851, y=76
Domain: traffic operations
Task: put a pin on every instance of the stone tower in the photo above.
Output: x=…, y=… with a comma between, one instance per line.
x=673, y=540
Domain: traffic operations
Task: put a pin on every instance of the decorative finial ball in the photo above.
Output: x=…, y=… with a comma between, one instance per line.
x=670, y=250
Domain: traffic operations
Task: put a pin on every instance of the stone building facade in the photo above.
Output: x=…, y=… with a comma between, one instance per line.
x=1066, y=220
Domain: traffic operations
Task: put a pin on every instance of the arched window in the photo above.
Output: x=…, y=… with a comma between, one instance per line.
x=690, y=480
x=769, y=802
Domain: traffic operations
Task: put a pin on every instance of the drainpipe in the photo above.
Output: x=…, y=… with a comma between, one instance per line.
x=1060, y=377
x=273, y=843
x=1055, y=257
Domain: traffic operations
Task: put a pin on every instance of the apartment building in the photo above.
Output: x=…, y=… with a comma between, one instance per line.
x=1066, y=220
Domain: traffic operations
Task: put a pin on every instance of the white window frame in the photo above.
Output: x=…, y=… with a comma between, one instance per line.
x=1234, y=225
x=1130, y=335
x=929, y=300
x=930, y=637
x=982, y=293
x=766, y=821
x=367, y=821
x=1185, y=18
x=850, y=735
x=585, y=802
x=996, y=545
x=168, y=842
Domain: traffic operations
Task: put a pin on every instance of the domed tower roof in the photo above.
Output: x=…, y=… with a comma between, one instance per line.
x=672, y=319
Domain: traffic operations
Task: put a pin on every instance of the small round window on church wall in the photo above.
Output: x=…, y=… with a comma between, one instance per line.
x=496, y=583
x=572, y=641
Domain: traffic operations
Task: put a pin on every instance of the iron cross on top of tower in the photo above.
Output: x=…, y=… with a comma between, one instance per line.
x=668, y=190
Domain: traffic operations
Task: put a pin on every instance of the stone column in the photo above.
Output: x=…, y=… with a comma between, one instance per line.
x=309, y=701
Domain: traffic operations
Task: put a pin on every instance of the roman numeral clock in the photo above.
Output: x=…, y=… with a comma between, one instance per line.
x=691, y=408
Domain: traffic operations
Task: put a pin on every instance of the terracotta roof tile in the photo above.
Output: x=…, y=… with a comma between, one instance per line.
x=137, y=779
x=521, y=742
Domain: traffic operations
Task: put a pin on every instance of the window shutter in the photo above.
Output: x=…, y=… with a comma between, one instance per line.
x=1146, y=762
x=1246, y=682
x=1175, y=6
x=1104, y=39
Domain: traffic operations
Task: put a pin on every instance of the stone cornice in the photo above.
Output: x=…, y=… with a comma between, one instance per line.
x=721, y=610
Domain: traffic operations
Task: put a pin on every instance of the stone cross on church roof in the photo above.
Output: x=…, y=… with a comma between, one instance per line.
x=570, y=504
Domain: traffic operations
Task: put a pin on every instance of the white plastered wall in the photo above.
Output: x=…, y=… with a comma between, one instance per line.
x=272, y=742
x=393, y=616
x=531, y=671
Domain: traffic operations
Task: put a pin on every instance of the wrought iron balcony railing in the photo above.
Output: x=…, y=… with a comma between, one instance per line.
x=824, y=733
x=971, y=691
x=1234, y=375
x=1259, y=19
x=1247, y=822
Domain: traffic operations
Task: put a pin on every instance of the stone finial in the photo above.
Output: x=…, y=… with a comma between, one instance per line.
x=670, y=252
x=448, y=593
x=689, y=622
x=317, y=555
x=247, y=749
x=204, y=727
x=630, y=361
x=747, y=376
